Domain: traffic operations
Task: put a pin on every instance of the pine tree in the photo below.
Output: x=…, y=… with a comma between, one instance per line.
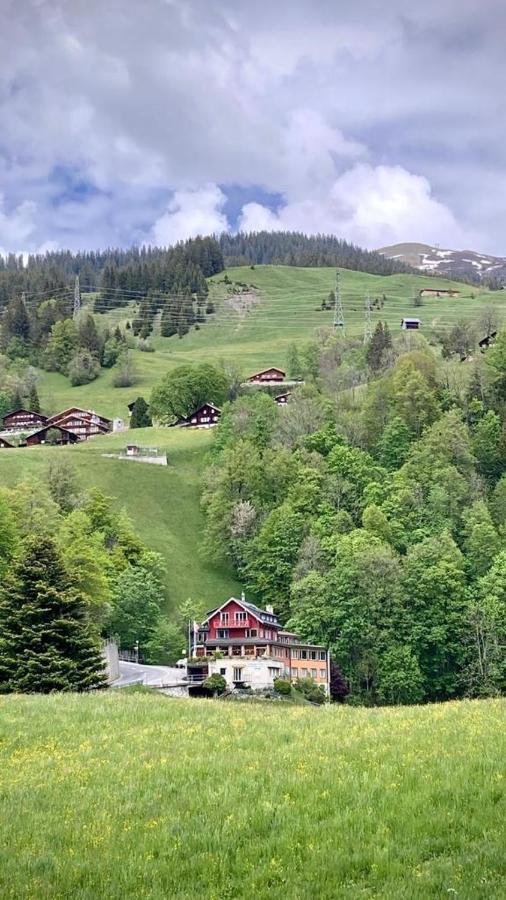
x=33, y=399
x=140, y=417
x=46, y=641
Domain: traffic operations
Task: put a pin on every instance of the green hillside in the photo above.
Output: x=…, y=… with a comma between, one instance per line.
x=163, y=503
x=137, y=795
x=253, y=329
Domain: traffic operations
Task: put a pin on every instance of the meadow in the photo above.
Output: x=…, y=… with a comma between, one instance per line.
x=163, y=502
x=124, y=795
x=253, y=330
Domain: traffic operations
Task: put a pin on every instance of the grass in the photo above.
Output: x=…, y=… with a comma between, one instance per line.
x=135, y=795
x=163, y=503
x=285, y=309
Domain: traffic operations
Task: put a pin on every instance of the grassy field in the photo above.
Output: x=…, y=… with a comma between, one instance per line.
x=253, y=330
x=133, y=795
x=163, y=503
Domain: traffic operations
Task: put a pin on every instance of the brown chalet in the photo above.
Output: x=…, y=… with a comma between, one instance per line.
x=51, y=434
x=23, y=420
x=282, y=399
x=205, y=416
x=4, y=445
x=82, y=422
x=267, y=376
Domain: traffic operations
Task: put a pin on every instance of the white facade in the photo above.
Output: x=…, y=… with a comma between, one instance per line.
x=242, y=670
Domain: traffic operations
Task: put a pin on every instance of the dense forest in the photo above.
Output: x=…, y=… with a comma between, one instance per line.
x=373, y=518
x=292, y=248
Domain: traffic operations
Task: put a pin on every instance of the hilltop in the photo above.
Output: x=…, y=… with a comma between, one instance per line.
x=449, y=263
x=123, y=795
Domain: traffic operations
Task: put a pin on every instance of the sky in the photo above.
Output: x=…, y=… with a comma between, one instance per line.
x=127, y=122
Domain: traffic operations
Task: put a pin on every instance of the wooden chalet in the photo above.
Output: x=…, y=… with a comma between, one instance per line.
x=84, y=426
x=205, y=416
x=282, y=399
x=51, y=434
x=246, y=634
x=410, y=324
x=23, y=420
x=77, y=411
x=267, y=376
x=4, y=445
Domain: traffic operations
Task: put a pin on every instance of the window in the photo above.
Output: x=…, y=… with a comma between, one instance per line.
x=294, y=673
x=224, y=617
x=312, y=654
x=223, y=671
x=323, y=674
x=295, y=654
x=314, y=673
x=252, y=632
x=273, y=672
x=237, y=673
x=322, y=654
x=222, y=633
x=303, y=673
x=303, y=654
x=240, y=616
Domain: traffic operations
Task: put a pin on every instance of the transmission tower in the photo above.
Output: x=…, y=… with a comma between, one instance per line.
x=367, y=320
x=338, y=311
x=77, y=297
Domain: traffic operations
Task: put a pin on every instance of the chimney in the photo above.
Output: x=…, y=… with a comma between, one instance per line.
x=270, y=609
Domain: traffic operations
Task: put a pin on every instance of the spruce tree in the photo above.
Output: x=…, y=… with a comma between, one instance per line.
x=33, y=399
x=140, y=417
x=46, y=641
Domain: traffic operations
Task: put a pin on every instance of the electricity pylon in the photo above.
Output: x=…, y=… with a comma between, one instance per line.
x=338, y=310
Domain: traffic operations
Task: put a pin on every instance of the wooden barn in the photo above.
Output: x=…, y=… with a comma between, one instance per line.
x=83, y=425
x=410, y=324
x=267, y=376
x=78, y=412
x=282, y=399
x=51, y=434
x=4, y=445
x=205, y=416
x=23, y=420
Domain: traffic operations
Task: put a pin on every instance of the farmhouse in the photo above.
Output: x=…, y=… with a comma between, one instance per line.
x=282, y=399
x=205, y=416
x=51, y=434
x=255, y=647
x=410, y=324
x=4, y=445
x=23, y=420
x=83, y=425
x=267, y=376
x=439, y=292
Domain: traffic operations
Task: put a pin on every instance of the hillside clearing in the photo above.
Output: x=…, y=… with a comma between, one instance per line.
x=140, y=796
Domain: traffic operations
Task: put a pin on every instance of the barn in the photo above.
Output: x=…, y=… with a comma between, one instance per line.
x=267, y=376
x=205, y=416
x=282, y=399
x=23, y=420
x=51, y=434
x=410, y=324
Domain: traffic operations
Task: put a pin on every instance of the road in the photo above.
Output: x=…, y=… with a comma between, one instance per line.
x=138, y=673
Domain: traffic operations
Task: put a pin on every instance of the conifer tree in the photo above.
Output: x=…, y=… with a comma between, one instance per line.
x=33, y=399
x=140, y=417
x=46, y=641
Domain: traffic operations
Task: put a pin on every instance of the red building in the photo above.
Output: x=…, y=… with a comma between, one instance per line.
x=267, y=376
x=51, y=434
x=204, y=417
x=23, y=420
x=238, y=628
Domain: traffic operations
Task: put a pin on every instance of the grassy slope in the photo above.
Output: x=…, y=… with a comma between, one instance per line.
x=123, y=796
x=162, y=502
x=287, y=311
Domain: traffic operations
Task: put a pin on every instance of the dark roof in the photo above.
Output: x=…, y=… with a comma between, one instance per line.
x=5, y=443
x=268, y=369
x=30, y=412
x=48, y=426
x=261, y=614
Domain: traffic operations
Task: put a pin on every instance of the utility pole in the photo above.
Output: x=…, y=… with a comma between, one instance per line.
x=77, y=297
x=367, y=321
x=338, y=310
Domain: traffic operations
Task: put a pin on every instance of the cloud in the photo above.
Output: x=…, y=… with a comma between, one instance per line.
x=191, y=213
x=154, y=104
x=371, y=206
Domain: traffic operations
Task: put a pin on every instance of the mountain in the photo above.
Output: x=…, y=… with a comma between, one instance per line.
x=451, y=263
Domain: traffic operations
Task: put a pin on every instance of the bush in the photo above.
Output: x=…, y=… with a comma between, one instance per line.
x=317, y=695
x=83, y=368
x=310, y=690
x=145, y=346
x=282, y=686
x=125, y=374
x=215, y=684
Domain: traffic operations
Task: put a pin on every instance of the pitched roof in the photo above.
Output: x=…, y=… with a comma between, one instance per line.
x=268, y=369
x=77, y=411
x=261, y=614
x=29, y=412
x=196, y=412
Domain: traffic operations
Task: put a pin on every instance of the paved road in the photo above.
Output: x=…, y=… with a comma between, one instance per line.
x=138, y=673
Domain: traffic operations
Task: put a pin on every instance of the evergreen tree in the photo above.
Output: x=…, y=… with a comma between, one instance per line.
x=33, y=399
x=140, y=417
x=381, y=340
x=46, y=641
x=16, y=322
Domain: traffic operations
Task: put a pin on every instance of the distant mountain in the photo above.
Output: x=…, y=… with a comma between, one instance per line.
x=455, y=264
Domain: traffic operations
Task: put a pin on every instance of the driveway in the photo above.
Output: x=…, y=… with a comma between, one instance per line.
x=138, y=673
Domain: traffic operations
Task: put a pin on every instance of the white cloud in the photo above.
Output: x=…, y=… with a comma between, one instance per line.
x=191, y=213
x=368, y=205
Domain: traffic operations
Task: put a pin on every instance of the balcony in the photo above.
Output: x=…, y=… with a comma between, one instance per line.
x=234, y=623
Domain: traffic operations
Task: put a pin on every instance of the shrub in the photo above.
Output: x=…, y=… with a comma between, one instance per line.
x=215, y=684
x=282, y=686
x=83, y=368
x=145, y=346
